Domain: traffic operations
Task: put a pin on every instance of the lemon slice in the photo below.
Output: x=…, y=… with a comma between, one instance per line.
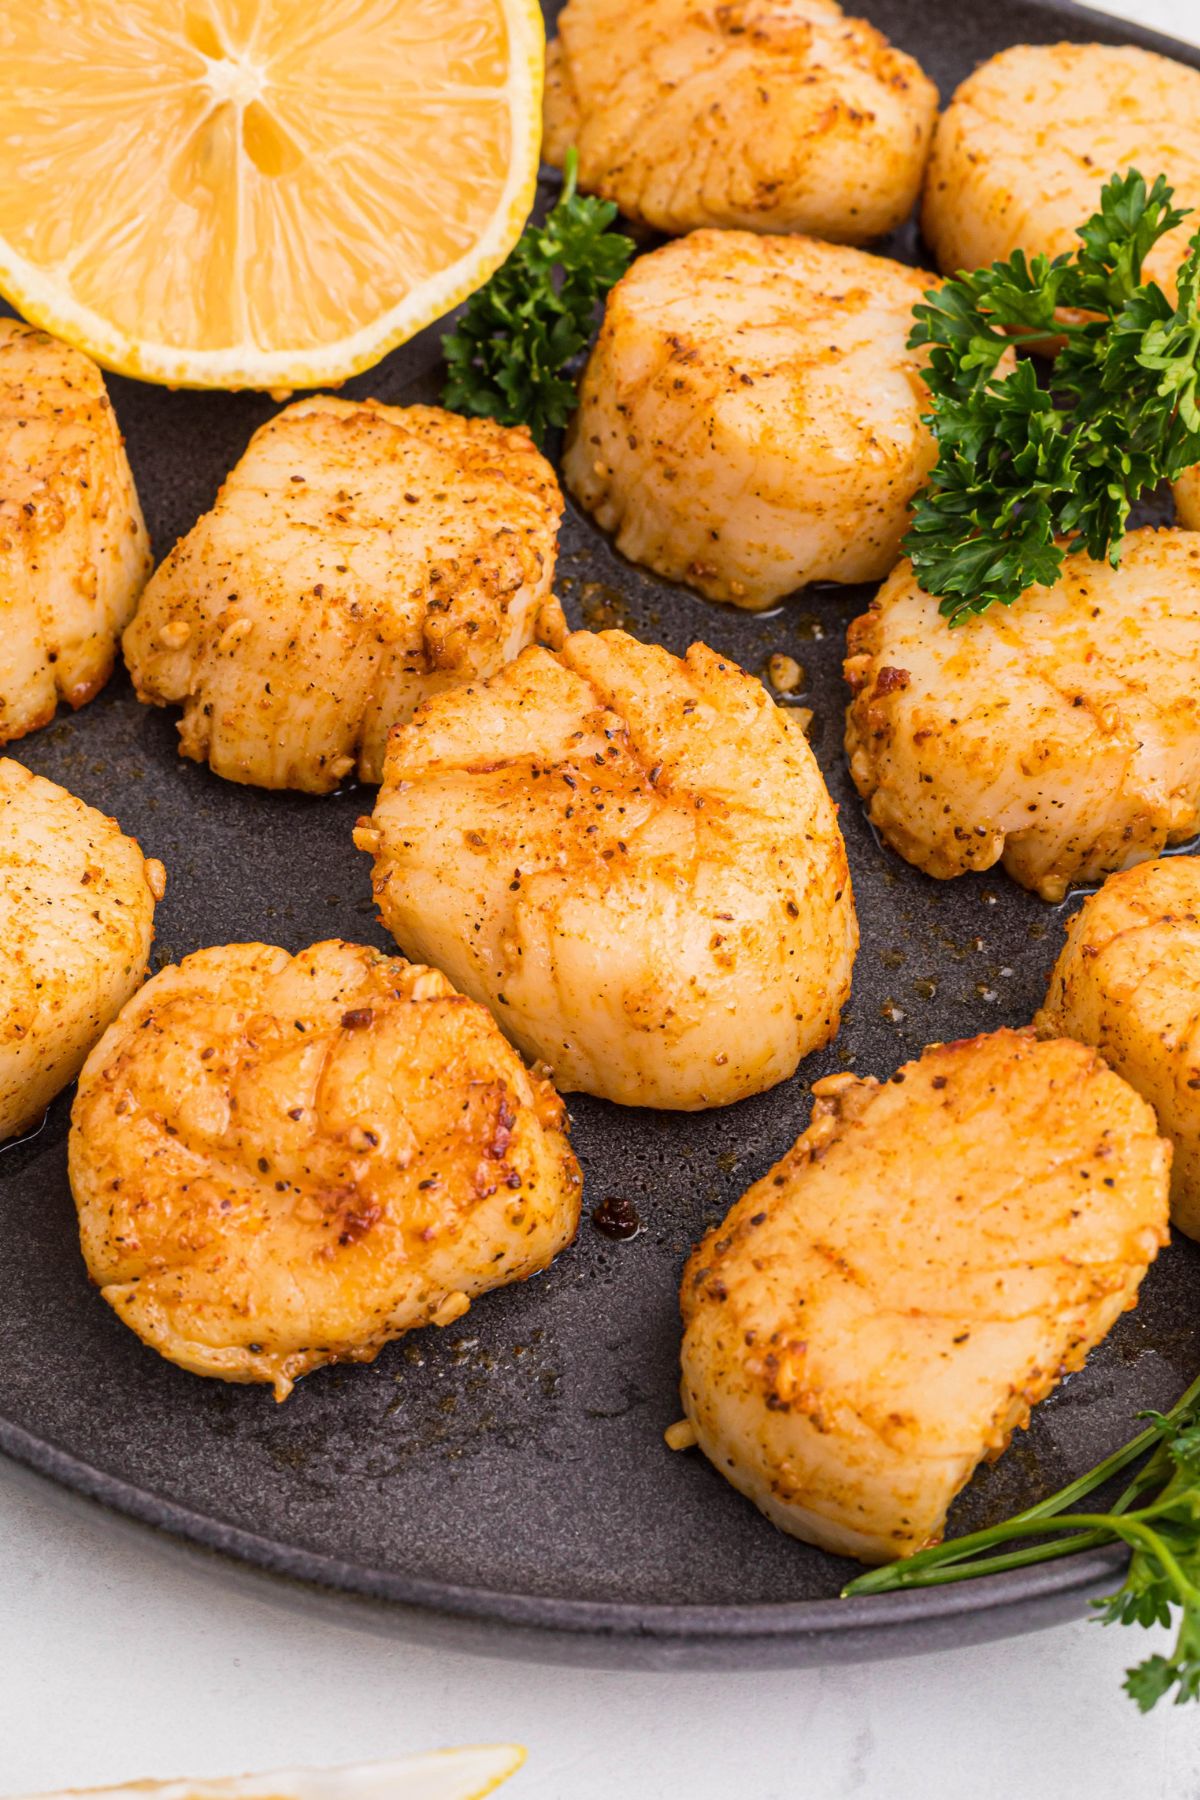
x=260, y=193
x=466, y=1774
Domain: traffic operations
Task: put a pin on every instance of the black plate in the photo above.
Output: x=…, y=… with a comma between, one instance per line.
x=512, y=1470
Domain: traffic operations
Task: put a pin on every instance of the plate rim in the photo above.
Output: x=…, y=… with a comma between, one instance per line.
x=672, y=1634
x=1031, y=1597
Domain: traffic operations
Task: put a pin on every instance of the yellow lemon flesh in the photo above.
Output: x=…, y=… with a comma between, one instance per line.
x=467, y=1774
x=260, y=193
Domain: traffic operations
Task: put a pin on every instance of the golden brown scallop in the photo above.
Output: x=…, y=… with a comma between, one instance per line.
x=632, y=858
x=868, y=1323
x=785, y=116
x=1128, y=982
x=73, y=547
x=359, y=558
x=1029, y=139
x=750, y=418
x=1060, y=736
x=76, y=919
x=1187, y=500
x=283, y=1161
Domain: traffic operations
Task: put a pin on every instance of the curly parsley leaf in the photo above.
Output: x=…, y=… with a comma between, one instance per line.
x=1157, y=1515
x=1027, y=471
x=1117, y=239
x=509, y=356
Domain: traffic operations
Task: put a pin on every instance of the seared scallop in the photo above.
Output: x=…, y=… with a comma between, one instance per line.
x=76, y=919
x=788, y=117
x=1028, y=141
x=283, y=1161
x=359, y=558
x=1128, y=981
x=1060, y=737
x=750, y=418
x=1187, y=500
x=633, y=859
x=73, y=547
x=883, y=1309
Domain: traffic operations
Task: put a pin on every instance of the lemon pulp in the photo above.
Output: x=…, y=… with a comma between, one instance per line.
x=260, y=192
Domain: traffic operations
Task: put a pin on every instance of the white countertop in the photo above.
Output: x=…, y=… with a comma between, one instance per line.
x=120, y=1657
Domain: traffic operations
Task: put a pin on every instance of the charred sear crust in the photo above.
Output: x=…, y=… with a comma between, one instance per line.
x=283, y=1161
x=633, y=859
x=867, y=1324
x=358, y=559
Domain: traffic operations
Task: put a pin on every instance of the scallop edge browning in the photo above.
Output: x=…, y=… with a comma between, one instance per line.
x=77, y=904
x=1060, y=737
x=865, y=1325
x=1127, y=982
x=283, y=1161
x=74, y=553
x=633, y=859
x=750, y=417
x=792, y=117
x=1186, y=494
x=358, y=558
x=1028, y=139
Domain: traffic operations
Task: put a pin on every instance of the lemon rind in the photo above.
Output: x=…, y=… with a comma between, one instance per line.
x=278, y=1784
x=41, y=301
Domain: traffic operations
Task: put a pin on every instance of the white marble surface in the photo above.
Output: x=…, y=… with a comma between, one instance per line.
x=120, y=1659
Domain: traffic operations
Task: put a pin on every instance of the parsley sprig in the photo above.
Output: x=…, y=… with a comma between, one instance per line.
x=509, y=356
x=1157, y=1515
x=1026, y=471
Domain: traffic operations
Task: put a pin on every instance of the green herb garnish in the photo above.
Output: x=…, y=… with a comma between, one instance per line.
x=1026, y=471
x=507, y=355
x=1157, y=1515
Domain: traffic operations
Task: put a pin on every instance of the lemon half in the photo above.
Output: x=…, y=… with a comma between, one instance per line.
x=467, y=1774
x=260, y=193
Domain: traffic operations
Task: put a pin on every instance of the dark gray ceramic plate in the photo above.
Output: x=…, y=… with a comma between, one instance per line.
x=512, y=1471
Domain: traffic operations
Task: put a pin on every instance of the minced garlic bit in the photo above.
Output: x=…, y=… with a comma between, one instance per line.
x=452, y=1307
x=233, y=634
x=430, y=984
x=785, y=674
x=830, y=1085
